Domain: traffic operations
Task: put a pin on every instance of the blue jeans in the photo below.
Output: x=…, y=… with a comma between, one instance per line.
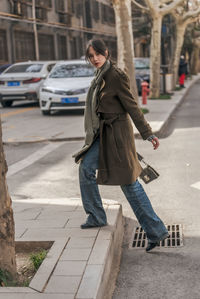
x=135, y=194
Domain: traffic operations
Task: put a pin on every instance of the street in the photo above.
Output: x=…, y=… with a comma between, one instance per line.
x=170, y=273
x=24, y=122
x=48, y=171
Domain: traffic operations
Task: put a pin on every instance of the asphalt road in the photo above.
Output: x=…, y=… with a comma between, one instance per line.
x=171, y=272
x=47, y=170
x=23, y=122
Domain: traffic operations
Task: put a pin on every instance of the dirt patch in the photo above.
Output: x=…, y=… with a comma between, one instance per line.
x=26, y=268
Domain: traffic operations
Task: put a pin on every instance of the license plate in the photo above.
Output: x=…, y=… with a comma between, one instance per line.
x=13, y=83
x=69, y=100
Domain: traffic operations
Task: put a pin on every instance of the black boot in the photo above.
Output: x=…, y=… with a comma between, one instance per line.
x=151, y=245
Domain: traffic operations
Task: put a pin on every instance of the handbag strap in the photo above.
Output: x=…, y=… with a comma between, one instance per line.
x=141, y=159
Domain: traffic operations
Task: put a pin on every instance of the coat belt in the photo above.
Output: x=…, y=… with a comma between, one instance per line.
x=108, y=120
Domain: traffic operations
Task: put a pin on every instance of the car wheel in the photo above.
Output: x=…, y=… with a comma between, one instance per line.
x=45, y=112
x=6, y=103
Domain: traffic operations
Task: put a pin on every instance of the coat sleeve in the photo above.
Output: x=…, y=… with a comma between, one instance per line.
x=130, y=105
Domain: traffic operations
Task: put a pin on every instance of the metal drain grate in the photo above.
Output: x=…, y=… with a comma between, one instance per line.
x=174, y=240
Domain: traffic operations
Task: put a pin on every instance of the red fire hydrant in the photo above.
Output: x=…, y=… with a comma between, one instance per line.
x=145, y=91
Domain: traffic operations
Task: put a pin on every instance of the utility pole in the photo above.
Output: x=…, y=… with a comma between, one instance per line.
x=35, y=31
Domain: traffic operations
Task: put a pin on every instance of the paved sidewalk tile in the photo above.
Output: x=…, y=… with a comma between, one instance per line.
x=90, y=282
x=76, y=254
x=45, y=223
x=63, y=284
x=13, y=296
x=112, y=213
x=105, y=234
x=49, y=296
x=80, y=242
x=20, y=290
x=51, y=234
x=75, y=222
x=28, y=214
x=52, y=214
x=82, y=233
x=36, y=296
x=70, y=268
x=99, y=252
x=19, y=231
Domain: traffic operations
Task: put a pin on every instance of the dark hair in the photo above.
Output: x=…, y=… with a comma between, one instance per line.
x=99, y=46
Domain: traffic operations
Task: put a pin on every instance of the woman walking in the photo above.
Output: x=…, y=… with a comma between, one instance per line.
x=110, y=147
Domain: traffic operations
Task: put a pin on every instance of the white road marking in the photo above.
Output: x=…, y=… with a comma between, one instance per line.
x=196, y=185
x=33, y=158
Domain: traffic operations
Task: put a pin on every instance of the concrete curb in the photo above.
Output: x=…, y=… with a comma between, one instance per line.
x=99, y=268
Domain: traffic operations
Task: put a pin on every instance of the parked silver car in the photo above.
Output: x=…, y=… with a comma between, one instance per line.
x=21, y=81
x=66, y=86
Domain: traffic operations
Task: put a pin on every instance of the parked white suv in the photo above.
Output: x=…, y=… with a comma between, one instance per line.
x=21, y=81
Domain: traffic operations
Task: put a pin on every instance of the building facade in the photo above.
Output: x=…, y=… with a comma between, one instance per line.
x=53, y=29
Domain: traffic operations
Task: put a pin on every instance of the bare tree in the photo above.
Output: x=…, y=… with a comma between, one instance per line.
x=184, y=15
x=125, y=48
x=157, y=10
x=7, y=234
x=195, y=57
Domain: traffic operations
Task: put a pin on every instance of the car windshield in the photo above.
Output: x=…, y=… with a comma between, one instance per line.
x=72, y=70
x=25, y=68
x=141, y=63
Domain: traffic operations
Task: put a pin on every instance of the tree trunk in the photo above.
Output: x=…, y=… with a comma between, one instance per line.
x=180, y=31
x=7, y=235
x=155, y=56
x=195, y=58
x=125, y=46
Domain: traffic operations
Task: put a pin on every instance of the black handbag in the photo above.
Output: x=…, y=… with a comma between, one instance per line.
x=148, y=173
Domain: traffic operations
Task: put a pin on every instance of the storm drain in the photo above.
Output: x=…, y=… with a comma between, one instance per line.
x=175, y=238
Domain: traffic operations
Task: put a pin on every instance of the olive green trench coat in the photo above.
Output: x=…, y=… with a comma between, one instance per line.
x=118, y=163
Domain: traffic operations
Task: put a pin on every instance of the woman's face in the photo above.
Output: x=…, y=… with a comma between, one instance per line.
x=96, y=58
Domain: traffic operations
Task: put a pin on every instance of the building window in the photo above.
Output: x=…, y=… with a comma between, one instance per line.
x=44, y=3
x=46, y=47
x=73, y=47
x=60, y=6
x=24, y=46
x=79, y=8
x=3, y=47
x=18, y=8
x=62, y=47
x=95, y=10
x=111, y=15
x=64, y=18
x=71, y=6
x=41, y=13
x=107, y=14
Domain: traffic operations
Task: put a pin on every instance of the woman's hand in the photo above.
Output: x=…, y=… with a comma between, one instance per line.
x=155, y=142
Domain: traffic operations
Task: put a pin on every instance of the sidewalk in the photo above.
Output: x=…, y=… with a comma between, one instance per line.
x=79, y=262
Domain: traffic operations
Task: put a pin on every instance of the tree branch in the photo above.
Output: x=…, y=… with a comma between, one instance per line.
x=140, y=6
x=165, y=1
x=191, y=15
x=150, y=5
x=168, y=8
